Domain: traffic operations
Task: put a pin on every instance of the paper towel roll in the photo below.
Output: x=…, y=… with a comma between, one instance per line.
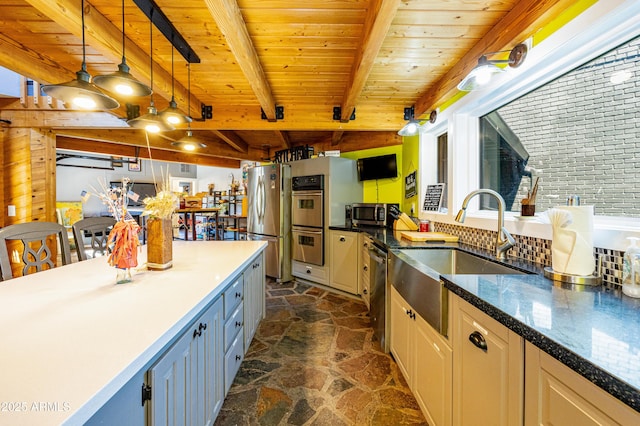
x=572, y=244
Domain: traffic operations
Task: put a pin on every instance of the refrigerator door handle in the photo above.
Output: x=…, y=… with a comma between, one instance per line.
x=263, y=197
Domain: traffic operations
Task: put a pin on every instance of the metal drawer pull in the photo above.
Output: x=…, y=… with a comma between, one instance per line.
x=238, y=324
x=478, y=339
x=197, y=333
x=343, y=239
x=238, y=357
x=238, y=295
x=202, y=326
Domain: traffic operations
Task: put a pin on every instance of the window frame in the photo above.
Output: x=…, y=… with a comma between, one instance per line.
x=602, y=27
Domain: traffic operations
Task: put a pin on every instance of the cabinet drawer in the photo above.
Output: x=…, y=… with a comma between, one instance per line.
x=311, y=272
x=232, y=361
x=233, y=326
x=232, y=297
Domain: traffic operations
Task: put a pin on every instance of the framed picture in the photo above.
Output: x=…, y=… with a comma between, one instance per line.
x=135, y=167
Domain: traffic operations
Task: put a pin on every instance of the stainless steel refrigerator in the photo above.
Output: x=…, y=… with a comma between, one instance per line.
x=269, y=216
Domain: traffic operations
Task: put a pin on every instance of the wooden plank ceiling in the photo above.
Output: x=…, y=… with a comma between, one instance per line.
x=375, y=56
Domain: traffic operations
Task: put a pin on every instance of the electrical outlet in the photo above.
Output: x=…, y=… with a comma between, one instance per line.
x=11, y=210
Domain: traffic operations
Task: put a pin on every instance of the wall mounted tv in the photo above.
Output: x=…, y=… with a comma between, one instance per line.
x=143, y=189
x=380, y=167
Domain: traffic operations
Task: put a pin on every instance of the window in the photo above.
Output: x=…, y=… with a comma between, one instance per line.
x=580, y=134
x=443, y=161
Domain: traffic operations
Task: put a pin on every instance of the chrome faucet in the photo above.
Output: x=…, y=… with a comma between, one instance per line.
x=504, y=240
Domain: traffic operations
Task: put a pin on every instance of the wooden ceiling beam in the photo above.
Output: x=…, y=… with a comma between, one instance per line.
x=105, y=37
x=229, y=19
x=136, y=137
x=336, y=137
x=284, y=138
x=234, y=141
x=29, y=63
x=526, y=17
x=377, y=24
x=107, y=148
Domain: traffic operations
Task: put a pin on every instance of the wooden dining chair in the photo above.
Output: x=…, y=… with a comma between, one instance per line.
x=96, y=229
x=37, y=255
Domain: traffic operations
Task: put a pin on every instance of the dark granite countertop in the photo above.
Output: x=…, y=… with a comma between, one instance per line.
x=593, y=330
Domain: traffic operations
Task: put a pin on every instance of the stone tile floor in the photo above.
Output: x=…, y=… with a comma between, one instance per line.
x=313, y=362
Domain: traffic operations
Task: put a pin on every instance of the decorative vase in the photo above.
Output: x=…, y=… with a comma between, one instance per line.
x=159, y=244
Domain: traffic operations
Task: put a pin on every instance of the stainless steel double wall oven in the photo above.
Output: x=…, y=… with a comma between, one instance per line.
x=307, y=219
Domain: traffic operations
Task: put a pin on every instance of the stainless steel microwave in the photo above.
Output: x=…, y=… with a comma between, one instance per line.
x=372, y=214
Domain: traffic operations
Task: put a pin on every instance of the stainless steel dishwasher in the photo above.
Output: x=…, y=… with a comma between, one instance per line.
x=378, y=280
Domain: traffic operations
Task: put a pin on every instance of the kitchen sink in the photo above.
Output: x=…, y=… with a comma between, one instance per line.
x=415, y=273
x=452, y=262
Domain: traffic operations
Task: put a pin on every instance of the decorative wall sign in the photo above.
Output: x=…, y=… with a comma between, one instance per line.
x=136, y=166
x=410, y=185
x=433, y=197
x=293, y=154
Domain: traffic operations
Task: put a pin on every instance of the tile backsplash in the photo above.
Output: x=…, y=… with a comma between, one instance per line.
x=536, y=250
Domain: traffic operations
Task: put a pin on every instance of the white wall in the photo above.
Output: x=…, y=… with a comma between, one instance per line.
x=71, y=181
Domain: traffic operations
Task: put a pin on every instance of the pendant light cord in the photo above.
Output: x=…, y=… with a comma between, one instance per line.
x=173, y=78
x=151, y=52
x=84, y=51
x=189, y=93
x=123, y=36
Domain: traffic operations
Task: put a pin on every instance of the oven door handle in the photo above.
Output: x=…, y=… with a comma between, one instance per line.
x=307, y=231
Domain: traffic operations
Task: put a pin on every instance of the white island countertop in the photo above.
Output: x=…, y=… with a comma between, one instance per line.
x=71, y=337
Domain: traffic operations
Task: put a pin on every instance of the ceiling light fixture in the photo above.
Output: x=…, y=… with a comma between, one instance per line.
x=172, y=114
x=121, y=81
x=81, y=92
x=188, y=142
x=412, y=128
x=486, y=68
x=151, y=121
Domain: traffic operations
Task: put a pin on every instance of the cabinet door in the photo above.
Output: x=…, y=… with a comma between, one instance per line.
x=363, y=269
x=170, y=381
x=344, y=261
x=433, y=375
x=557, y=395
x=211, y=369
x=187, y=382
x=488, y=374
x=400, y=333
x=254, y=299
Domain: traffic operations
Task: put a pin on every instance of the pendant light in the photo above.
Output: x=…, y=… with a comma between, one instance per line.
x=151, y=121
x=81, y=92
x=121, y=81
x=188, y=142
x=172, y=114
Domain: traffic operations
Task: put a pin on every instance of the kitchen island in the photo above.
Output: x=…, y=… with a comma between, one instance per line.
x=74, y=342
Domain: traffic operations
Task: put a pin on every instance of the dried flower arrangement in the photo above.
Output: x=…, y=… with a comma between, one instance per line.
x=164, y=203
x=123, y=239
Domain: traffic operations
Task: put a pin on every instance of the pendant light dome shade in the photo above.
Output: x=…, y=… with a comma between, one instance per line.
x=81, y=92
x=121, y=82
x=189, y=142
x=173, y=115
x=151, y=121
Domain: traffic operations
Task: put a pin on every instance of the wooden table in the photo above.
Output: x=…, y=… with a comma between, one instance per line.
x=191, y=213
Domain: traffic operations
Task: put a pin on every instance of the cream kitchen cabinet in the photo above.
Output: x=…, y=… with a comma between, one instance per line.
x=488, y=371
x=343, y=263
x=425, y=359
x=557, y=395
x=364, y=272
x=186, y=383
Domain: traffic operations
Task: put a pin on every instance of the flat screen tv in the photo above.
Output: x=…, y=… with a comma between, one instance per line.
x=143, y=189
x=380, y=167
